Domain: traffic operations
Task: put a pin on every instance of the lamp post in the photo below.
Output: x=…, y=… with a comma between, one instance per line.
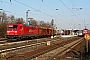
x=52, y=23
x=27, y=16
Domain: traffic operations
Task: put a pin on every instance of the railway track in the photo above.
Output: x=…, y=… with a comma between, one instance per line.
x=23, y=49
x=5, y=46
x=59, y=51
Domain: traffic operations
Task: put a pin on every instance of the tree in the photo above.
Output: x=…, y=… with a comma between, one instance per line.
x=44, y=24
x=19, y=20
x=3, y=16
x=12, y=19
x=3, y=29
x=33, y=22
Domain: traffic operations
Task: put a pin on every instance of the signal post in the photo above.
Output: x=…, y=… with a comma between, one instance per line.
x=87, y=37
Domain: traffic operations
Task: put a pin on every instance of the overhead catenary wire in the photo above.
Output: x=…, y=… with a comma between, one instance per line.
x=76, y=8
x=44, y=11
x=29, y=7
x=8, y=10
x=34, y=9
x=53, y=17
x=38, y=10
x=53, y=9
x=78, y=12
x=70, y=10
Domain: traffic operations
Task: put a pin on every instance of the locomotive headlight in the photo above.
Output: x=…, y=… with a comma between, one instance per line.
x=15, y=31
x=8, y=31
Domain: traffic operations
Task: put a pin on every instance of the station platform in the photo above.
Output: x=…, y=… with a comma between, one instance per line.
x=68, y=35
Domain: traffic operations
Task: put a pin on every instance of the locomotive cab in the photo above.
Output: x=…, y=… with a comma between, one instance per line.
x=13, y=31
x=84, y=31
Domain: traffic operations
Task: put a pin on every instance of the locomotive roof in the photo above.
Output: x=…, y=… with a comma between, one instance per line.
x=29, y=25
x=23, y=25
x=85, y=29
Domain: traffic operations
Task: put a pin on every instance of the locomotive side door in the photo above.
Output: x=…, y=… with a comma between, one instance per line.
x=21, y=30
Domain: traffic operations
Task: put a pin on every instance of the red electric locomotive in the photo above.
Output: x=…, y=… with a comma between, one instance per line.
x=20, y=31
x=85, y=31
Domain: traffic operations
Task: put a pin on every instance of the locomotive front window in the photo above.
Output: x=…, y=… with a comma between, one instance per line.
x=12, y=26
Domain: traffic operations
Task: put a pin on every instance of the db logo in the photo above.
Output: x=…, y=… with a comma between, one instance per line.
x=87, y=36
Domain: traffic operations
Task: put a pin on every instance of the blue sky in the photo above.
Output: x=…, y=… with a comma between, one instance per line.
x=68, y=16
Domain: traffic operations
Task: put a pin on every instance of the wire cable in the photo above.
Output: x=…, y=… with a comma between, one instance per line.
x=71, y=11
x=34, y=9
x=10, y=11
